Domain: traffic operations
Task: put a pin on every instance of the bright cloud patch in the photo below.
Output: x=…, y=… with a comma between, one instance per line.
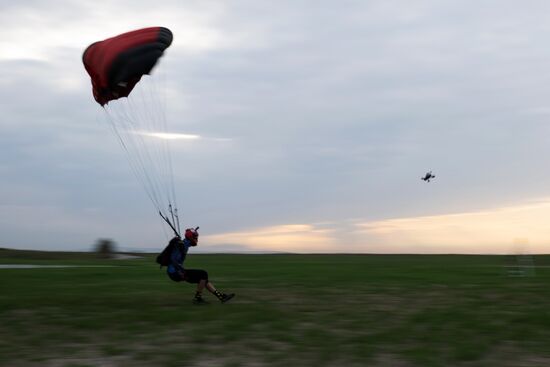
x=490, y=231
x=286, y=238
x=171, y=136
x=503, y=230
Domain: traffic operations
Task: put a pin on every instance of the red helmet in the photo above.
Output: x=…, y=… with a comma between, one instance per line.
x=192, y=234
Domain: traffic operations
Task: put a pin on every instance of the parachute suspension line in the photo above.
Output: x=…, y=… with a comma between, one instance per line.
x=146, y=150
x=134, y=167
x=160, y=111
x=164, y=152
x=163, y=146
x=133, y=120
x=176, y=232
x=177, y=219
x=171, y=213
x=133, y=154
x=138, y=156
x=137, y=115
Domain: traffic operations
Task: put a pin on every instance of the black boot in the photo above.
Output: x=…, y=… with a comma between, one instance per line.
x=226, y=297
x=223, y=297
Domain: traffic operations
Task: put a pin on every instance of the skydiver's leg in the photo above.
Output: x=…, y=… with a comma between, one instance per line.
x=201, y=278
x=201, y=285
x=198, y=294
x=221, y=296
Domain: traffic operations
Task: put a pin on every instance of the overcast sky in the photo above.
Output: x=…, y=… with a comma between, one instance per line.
x=314, y=121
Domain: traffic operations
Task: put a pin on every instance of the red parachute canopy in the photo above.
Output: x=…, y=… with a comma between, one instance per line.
x=116, y=64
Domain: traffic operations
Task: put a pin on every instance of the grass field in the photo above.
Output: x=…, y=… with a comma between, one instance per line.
x=290, y=310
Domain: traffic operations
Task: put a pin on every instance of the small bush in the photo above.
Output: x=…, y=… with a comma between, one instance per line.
x=105, y=248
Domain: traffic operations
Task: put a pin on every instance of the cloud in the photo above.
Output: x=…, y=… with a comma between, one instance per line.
x=486, y=231
x=498, y=230
x=503, y=230
x=281, y=238
x=168, y=136
x=308, y=112
x=32, y=29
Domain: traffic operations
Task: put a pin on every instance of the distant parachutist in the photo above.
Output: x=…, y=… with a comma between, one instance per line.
x=428, y=177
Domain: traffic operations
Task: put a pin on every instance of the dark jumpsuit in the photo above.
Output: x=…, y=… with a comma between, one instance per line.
x=179, y=252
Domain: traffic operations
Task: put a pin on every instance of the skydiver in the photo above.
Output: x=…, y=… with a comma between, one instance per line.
x=428, y=177
x=177, y=273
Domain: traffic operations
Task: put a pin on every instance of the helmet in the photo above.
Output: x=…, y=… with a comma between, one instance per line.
x=192, y=234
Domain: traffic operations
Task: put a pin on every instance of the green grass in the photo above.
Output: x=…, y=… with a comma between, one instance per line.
x=322, y=310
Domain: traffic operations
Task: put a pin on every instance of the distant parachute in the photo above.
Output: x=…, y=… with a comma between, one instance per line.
x=116, y=65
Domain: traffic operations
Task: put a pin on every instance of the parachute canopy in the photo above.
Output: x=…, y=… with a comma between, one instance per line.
x=116, y=64
x=119, y=67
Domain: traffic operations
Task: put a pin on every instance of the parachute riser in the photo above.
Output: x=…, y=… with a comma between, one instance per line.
x=170, y=224
x=175, y=218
